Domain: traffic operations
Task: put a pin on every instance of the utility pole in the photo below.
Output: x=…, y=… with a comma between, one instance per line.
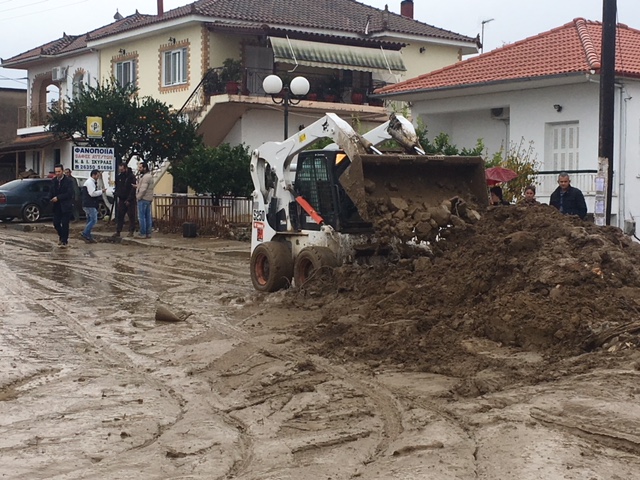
x=607, y=97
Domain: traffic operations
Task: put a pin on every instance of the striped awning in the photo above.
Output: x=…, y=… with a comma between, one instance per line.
x=343, y=57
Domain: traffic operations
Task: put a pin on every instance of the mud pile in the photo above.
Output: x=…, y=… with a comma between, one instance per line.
x=403, y=218
x=525, y=277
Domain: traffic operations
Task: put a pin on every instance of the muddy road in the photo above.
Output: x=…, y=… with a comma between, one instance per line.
x=92, y=386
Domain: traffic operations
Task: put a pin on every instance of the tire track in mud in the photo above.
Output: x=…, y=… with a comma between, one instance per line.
x=56, y=305
x=387, y=406
x=607, y=437
x=384, y=403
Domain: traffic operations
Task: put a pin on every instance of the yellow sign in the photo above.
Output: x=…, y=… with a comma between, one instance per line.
x=94, y=127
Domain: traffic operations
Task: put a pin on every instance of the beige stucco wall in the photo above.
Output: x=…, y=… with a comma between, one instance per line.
x=222, y=47
x=432, y=58
x=164, y=185
x=149, y=63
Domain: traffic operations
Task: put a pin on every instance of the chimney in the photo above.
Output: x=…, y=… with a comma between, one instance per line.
x=161, y=8
x=406, y=8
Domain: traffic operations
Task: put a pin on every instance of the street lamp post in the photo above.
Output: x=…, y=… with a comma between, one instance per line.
x=298, y=87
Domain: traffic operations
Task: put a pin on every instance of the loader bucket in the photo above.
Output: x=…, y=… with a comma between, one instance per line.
x=425, y=179
x=417, y=179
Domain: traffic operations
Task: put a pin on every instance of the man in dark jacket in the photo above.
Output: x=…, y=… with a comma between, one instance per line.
x=125, y=199
x=61, y=195
x=77, y=195
x=569, y=200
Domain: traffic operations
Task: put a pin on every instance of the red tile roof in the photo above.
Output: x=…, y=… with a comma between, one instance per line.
x=69, y=44
x=328, y=15
x=333, y=15
x=571, y=48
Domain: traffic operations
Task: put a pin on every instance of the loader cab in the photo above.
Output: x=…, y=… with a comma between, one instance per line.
x=318, y=181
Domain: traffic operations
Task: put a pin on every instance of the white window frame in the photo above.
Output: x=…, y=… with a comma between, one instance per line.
x=563, y=146
x=122, y=69
x=174, y=68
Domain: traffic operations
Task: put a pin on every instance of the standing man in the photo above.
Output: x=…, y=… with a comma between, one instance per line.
x=61, y=195
x=144, y=195
x=125, y=199
x=90, y=200
x=569, y=200
x=77, y=196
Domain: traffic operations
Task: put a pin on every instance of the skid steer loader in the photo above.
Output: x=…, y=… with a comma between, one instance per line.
x=324, y=212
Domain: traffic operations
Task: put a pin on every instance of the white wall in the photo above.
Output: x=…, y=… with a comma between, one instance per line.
x=260, y=126
x=89, y=63
x=467, y=118
x=628, y=141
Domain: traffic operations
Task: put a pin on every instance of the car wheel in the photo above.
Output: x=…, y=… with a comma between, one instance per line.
x=271, y=267
x=31, y=213
x=103, y=211
x=7, y=219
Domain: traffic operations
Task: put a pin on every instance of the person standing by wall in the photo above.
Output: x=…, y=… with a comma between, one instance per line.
x=569, y=200
x=496, y=196
x=61, y=195
x=144, y=196
x=90, y=201
x=77, y=195
x=125, y=199
x=529, y=197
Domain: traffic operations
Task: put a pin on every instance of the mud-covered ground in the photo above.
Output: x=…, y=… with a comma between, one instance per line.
x=508, y=354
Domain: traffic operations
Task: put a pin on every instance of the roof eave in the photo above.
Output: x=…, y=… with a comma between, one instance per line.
x=144, y=31
x=468, y=48
x=495, y=86
x=35, y=60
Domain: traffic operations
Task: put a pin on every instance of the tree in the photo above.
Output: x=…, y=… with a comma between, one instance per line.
x=441, y=144
x=218, y=171
x=133, y=126
x=523, y=160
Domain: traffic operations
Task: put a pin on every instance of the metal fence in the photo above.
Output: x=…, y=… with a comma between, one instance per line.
x=582, y=179
x=170, y=212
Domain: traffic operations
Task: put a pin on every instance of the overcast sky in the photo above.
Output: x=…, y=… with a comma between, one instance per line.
x=25, y=24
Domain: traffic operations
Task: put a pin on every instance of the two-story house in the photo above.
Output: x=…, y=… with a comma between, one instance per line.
x=209, y=58
x=544, y=89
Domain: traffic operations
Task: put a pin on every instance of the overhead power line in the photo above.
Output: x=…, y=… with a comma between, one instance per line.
x=39, y=11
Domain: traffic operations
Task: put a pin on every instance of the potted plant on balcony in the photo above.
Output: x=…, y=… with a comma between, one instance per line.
x=231, y=75
x=333, y=89
x=312, y=96
x=212, y=83
x=357, y=96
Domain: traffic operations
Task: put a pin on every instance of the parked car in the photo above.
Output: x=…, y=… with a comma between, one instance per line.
x=28, y=199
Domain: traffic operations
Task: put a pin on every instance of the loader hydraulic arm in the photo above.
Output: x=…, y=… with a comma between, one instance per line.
x=401, y=130
x=280, y=154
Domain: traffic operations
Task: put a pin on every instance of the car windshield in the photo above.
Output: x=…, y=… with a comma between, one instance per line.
x=12, y=185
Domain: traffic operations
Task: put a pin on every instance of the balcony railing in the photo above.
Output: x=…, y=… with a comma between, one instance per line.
x=582, y=179
x=327, y=88
x=36, y=115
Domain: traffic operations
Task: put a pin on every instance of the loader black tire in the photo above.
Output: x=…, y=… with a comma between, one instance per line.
x=310, y=260
x=271, y=267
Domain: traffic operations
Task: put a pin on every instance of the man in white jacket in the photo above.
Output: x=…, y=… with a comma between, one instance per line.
x=90, y=200
x=144, y=196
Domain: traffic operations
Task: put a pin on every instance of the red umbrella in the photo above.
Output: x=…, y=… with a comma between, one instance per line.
x=495, y=175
